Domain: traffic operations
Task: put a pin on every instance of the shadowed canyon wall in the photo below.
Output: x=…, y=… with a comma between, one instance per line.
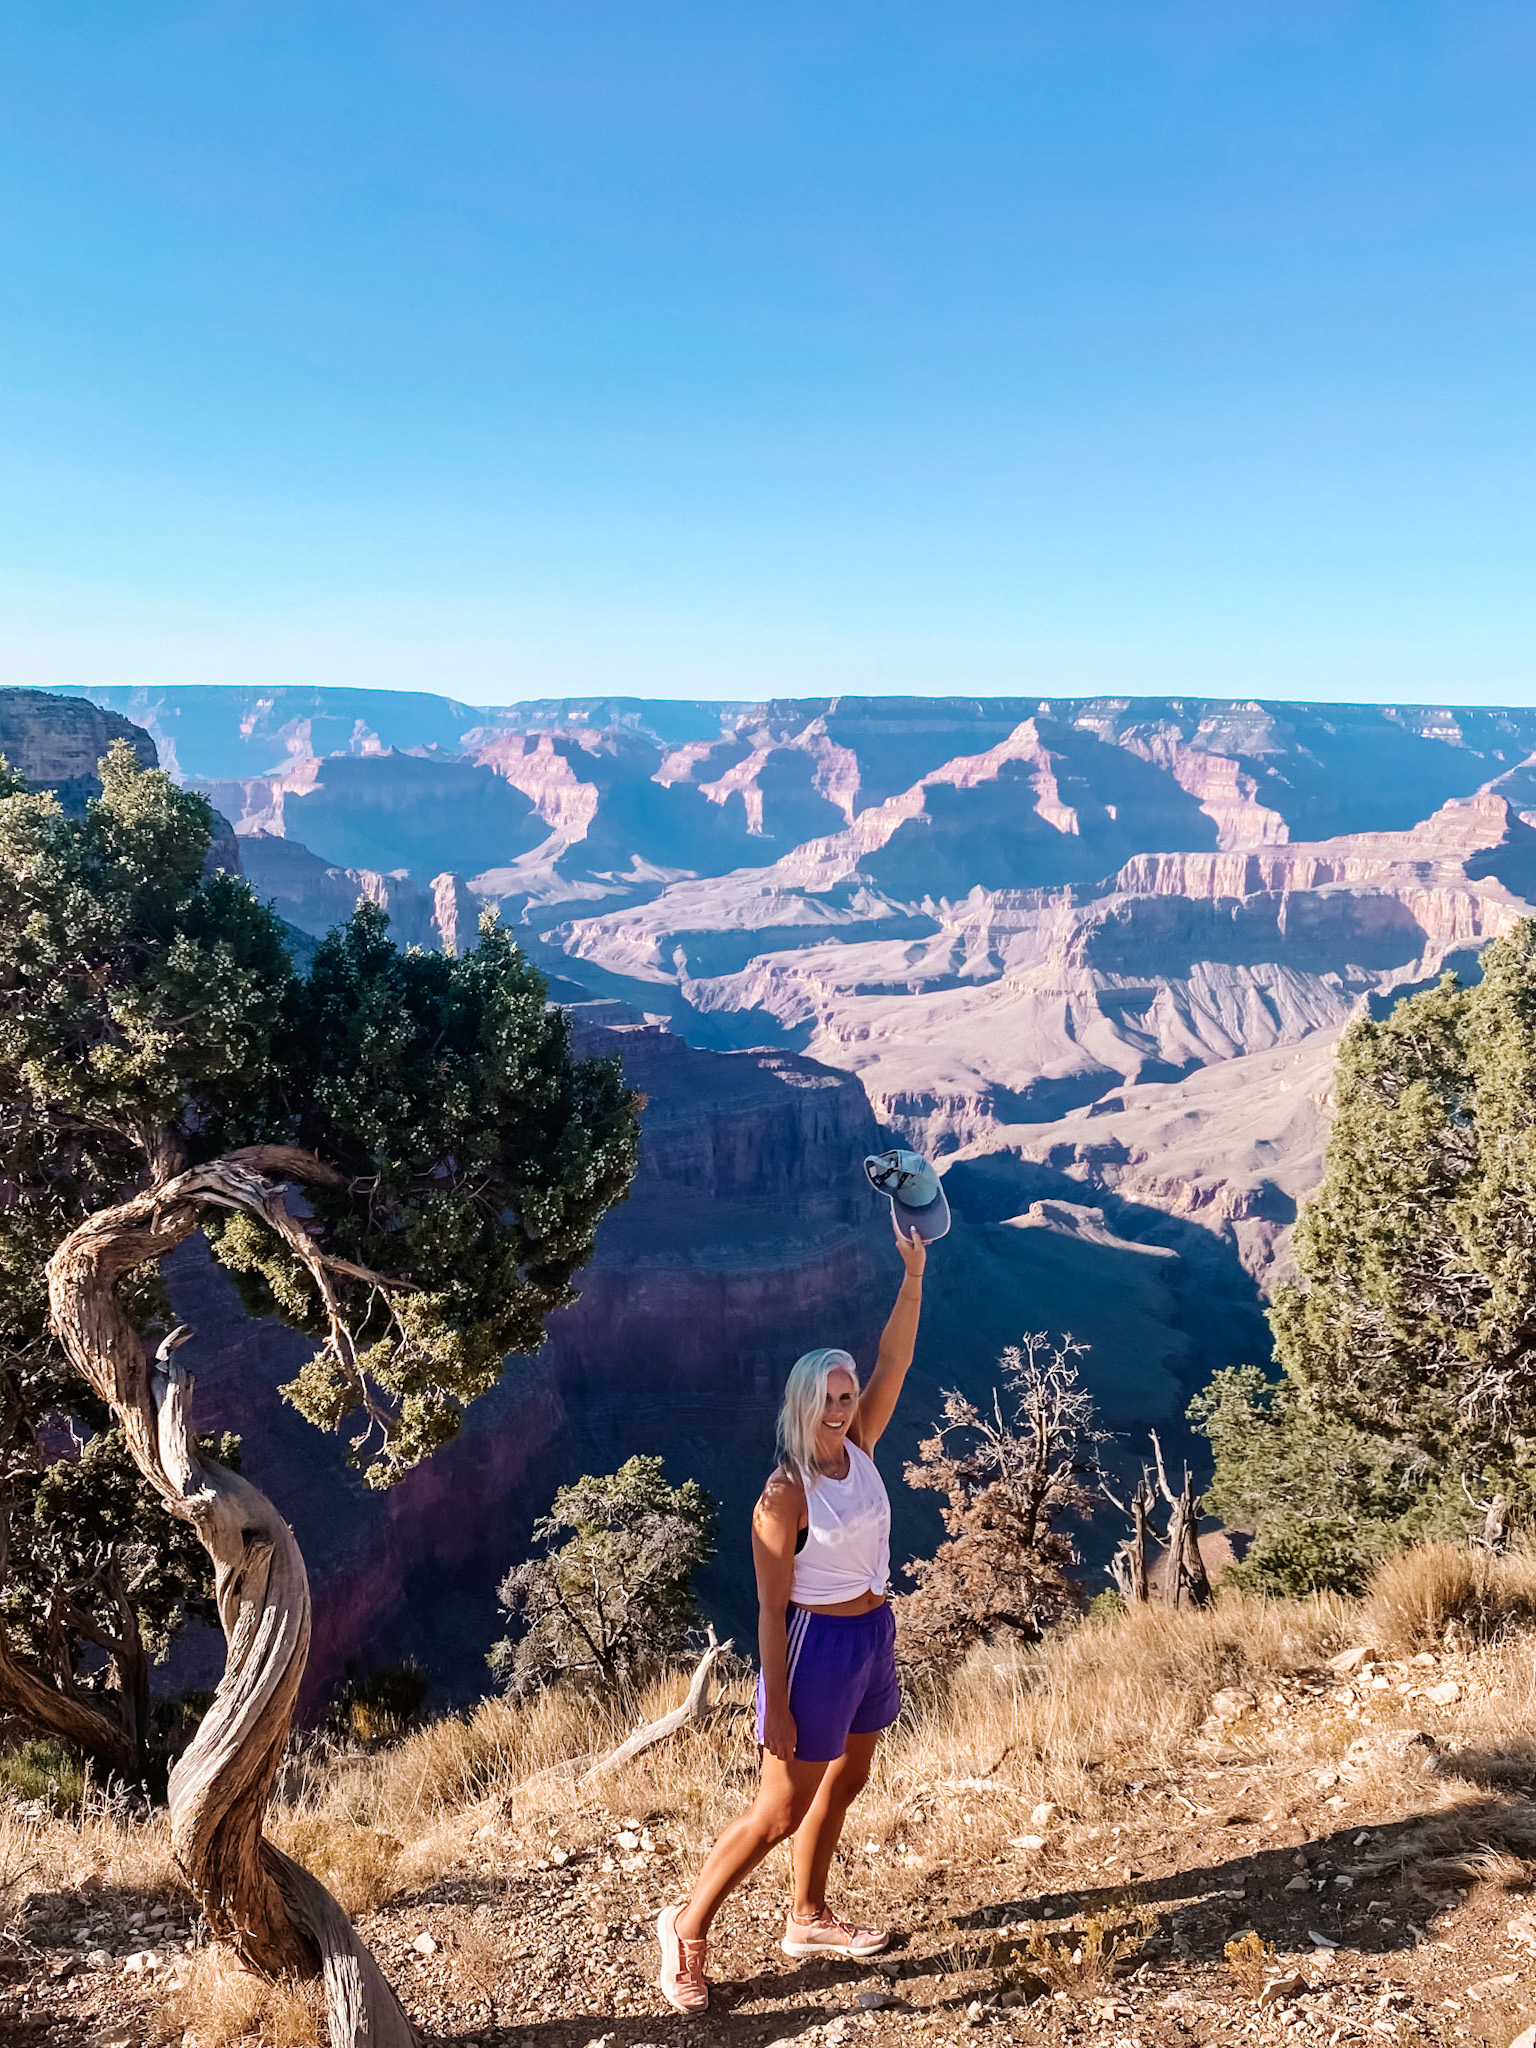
x=1093, y=954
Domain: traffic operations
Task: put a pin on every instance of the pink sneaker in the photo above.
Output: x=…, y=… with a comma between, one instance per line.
x=682, y=1978
x=826, y=1935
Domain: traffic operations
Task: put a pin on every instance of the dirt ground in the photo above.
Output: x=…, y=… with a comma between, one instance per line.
x=1280, y=1885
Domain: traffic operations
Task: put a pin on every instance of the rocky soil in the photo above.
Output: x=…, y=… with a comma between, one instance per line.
x=1330, y=1863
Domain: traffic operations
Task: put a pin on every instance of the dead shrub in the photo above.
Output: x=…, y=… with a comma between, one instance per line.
x=481, y=1963
x=1251, y=1961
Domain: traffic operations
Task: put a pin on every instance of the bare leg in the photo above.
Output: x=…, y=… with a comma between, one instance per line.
x=785, y=1792
x=816, y=1837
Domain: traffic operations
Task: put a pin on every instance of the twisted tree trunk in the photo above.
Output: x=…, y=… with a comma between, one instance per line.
x=279, y=1918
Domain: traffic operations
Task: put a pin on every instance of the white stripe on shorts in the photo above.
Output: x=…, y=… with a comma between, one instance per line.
x=797, y=1629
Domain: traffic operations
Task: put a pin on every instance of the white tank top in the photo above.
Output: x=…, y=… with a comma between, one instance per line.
x=847, y=1539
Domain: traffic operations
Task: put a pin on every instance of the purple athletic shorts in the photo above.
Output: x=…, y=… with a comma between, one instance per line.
x=842, y=1679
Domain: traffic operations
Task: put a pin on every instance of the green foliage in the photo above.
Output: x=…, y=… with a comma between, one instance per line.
x=615, y=1600
x=34, y=1767
x=1325, y=1497
x=150, y=1017
x=481, y=1158
x=1408, y=1340
x=382, y=1706
x=1418, y=1256
x=82, y=1549
x=95, y=1579
x=151, y=1020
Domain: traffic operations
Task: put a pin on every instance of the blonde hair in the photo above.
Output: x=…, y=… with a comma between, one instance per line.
x=805, y=1397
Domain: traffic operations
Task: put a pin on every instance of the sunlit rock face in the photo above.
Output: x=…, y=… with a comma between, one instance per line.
x=1094, y=955
x=995, y=913
x=56, y=742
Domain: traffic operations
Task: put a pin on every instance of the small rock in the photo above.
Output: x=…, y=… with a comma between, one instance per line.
x=1026, y=1841
x=1351, y=1660
x=143, y=1962
x=1232, y=1702
x=1320, y=1940
x=120, y=2035
x=1279, y=1988
x=1299, y=1884
x=1426, y=1660
x=626, y=1839
x=99, y=1959
x=878, y=2001
x=1044, y=1813
x=424, y=1945
x=1445, y=1695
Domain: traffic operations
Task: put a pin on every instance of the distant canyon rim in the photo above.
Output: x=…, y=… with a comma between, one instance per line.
x=1094, y=955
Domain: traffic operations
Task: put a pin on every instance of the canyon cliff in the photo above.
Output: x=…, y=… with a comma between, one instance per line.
x=1093, y=955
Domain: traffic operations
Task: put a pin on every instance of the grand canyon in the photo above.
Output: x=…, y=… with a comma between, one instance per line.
x=1093, y=956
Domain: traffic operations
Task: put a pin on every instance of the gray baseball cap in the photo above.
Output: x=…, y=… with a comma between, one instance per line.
x=916, y=1192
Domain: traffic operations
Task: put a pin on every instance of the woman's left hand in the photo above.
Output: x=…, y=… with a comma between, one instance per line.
x=914, y=1252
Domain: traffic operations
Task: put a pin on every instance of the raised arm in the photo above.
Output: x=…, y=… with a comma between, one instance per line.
x=878, y=1401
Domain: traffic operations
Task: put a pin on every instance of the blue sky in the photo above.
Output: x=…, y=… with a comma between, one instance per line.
x=708, y=350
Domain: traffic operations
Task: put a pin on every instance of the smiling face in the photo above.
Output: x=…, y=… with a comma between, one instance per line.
x=838, y=1411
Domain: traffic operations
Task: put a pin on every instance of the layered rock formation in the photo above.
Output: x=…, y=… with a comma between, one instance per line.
x=749, y=1237
x=1095, y=954
x=56, y=742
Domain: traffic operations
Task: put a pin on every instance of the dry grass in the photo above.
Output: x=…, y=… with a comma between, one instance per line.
x=217, y=2002
x=957, y=1779
x=92, y=1853
x=1064, y=1726
x=1415, y=1597
x=355, y=1863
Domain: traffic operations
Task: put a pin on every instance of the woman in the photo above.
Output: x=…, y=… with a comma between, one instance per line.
x=826, y=1645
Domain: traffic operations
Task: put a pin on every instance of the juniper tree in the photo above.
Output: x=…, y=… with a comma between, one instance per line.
x=1407, y=1342
x=398, y=1155
x=614, y=1600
